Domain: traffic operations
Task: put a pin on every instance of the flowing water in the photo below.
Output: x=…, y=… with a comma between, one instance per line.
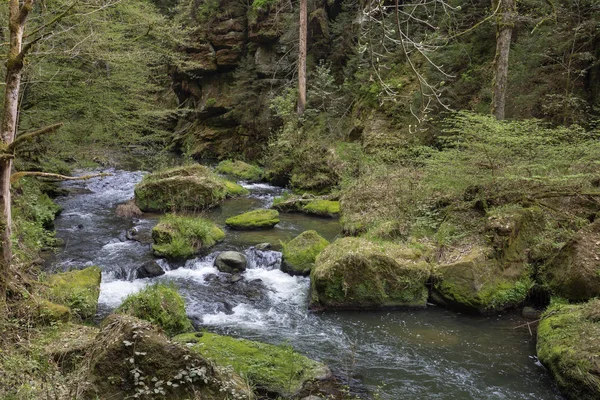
x=415, y=354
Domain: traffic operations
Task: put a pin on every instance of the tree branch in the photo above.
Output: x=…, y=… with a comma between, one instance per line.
x=30, y=136
x=18, y=175
x=54, y=21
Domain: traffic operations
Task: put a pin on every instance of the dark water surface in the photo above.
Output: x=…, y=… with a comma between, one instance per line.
x=425, y=354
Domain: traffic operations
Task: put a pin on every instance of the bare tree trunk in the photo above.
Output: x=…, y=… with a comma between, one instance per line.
x=302, y=58
x=506, y=21
x=14, y=67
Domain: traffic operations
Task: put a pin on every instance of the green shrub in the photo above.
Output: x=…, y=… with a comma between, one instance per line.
x=161, y=305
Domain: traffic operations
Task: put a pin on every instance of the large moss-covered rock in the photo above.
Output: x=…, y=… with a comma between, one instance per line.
x=190, y=188
x=491, y=274
x=180, y=237
x=78, y=290
x=132, y=357
x=161, y=305
x=568, y=344
x=308, y=204
x=299, y=254
x=574, y=273
x=355, y=273
x=241, y=170
x=273, y=369
x=257, y=219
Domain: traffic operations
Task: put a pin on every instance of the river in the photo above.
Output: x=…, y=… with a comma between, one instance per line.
x=405, y=354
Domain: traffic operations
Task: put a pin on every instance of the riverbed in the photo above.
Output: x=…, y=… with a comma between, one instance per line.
x=404, y=354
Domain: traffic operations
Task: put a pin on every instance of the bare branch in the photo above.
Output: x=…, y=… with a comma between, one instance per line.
x=32, y=135
x=18, y=175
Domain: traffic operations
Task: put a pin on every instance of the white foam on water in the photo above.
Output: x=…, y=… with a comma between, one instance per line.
x=244, y=315
x=197, y=275
x=113, y=293
x=251, y=186
x=284, y=288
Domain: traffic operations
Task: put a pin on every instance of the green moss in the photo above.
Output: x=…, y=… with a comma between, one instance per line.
x=78, y=290
x=161, y=305
x=299, y=254
x=277, y=369
x=180, y=237
x=235, y=190
x=568, y=344
x=358, y=273
x=257, y=219
x=49, y=312
x=325, y=208
x=189, y=188
x=241, y=170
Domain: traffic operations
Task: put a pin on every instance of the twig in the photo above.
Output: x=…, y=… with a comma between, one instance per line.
x=18, y=175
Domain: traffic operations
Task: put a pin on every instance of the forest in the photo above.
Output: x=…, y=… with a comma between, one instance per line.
x=300, y=199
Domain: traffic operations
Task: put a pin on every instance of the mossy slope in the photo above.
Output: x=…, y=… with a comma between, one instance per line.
x=355, y=273
x=78, y=290
x=180, y=237
x=300, y=253
x=161, y=305
x=274, y=369
x=568, y=345
x=257, y=219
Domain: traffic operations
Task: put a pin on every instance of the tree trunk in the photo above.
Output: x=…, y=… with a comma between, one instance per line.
x=14, y=67
x=302, y=58
x=506, y=20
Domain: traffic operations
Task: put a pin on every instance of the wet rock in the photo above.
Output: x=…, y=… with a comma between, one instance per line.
x=211, y=278
x=263, y=246
x=235, y=278
x=149, y=269
x=230, y=262
x=128, y=210
x=139, y=235
x=132, y=233
x=531, y=313
x=225, y=308
x=80, y=226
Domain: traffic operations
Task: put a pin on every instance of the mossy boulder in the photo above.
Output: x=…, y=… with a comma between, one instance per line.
x=131, y=358
x=189, y=188
x=492, y=272
x=257, y=219
x=161, y=305
x=355, y=273
x=320, y=206
x=276, y=370
x=235, y=190
x=300, y=253
x=78, y=290
x=180, y=237
x=49, y=312
x=574, y=273
x=568, y=344
x=241, y=170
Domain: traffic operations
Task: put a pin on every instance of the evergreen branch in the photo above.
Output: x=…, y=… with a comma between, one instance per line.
x=29, y=136
x=18, y=175
x=54, y=21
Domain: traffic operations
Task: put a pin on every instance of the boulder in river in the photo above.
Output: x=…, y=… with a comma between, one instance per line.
x=263, y=246
x=78, y=290
x=149, y=269
x=241, y=170
x=574, y=273
x=300, y=253
x=355, y=273
x=321, y=206
x=257, y=219
x=128, y=210
x=131, y=356
x=231, y=262
x=568, y=344
x=179, y=237
x=188, y=188
x=161, y=305
x=276, y=370
x=494, y=275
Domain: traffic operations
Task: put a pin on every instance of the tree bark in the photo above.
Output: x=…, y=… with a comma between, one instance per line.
x=504, y=29
x=14, y=67
x=302, y=58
